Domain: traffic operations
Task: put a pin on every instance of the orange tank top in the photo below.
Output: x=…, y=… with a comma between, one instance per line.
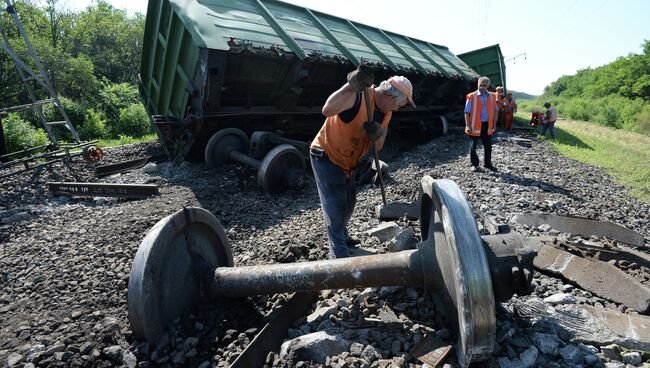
x=346, y=143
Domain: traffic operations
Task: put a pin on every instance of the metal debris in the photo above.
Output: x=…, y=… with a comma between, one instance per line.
x=431, y=350
x=492, y=225
x=581, y=226
x=600, y=278
x=124, y=166
x=103, y=189
x=521, y=141
x=590, y=325
x=607, y=252
x=41, y=156
x=271, y=336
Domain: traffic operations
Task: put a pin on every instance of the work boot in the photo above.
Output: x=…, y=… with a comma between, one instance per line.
x=491, y=168
x=353, y=241
x=475, y=169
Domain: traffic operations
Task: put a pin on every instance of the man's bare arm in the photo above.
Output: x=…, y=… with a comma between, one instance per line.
x=339, y=101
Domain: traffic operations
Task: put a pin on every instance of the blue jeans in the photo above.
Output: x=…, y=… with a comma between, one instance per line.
x=338, y=195
x=551, y=127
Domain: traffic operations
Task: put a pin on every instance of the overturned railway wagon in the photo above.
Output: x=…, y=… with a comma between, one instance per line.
x=267, y=65
x=487, y=61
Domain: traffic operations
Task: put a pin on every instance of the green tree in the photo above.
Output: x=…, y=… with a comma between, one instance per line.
x=134, y=121
x=94, y=126
x=32, y=19
x=20, y=134
x=114, y=97
x=111, y=39
x=616, y=94
x=76, y=111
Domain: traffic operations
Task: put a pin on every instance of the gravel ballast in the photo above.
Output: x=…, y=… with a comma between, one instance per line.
x=65, y=262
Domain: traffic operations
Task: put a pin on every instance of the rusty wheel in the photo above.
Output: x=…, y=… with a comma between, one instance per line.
x=171, y=266
x=282, y=168
x=217, y=151
x=92, y=154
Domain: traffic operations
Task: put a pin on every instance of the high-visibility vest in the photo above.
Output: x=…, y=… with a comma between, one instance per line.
x=537, y=118
x=475, y=113
x=346, y=143
x=500, y=99
x=511, y=104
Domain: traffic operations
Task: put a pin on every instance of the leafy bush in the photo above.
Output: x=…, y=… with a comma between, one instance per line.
x=75, y=110
x=20, y=134
x=94, y=126
x=125, y=139
x=643, y=120
x=133, y=122
x=614, y=111
x=80, y=82
x=115, y=97
x=576, y=108
x=614, y=95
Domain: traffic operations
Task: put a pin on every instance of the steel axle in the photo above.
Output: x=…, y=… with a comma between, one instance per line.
x=282, y=168
x=398, y=269
x=262, y=142
x=187, y=255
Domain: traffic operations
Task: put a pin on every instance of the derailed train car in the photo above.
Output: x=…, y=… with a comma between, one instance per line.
x=487, y=61
x=267, y=65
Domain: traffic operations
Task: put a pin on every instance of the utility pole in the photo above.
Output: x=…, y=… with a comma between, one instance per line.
x=28, y=75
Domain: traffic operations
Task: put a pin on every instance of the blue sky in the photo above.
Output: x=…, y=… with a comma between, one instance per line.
x=558, y=37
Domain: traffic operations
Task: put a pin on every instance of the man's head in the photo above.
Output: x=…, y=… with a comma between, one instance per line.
x=483, y=84
x=509, y=94
x=547, y=104
x=397, y=92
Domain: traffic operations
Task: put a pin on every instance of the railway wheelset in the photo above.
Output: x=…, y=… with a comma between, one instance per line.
x=186, y=257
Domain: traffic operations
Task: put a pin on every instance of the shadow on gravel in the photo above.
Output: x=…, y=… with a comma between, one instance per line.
x=230, y=192
x=543, y=185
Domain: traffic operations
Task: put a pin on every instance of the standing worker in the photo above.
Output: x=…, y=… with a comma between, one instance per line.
x=345, y=138
x=500, y=98
x=480, y=115
x=549, y=120
x=510, y=108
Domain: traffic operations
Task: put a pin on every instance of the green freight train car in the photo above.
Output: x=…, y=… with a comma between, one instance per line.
x=487, y=61
x=268, y=65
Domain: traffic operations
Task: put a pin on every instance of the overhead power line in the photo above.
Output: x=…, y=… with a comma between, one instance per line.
x=515, y=58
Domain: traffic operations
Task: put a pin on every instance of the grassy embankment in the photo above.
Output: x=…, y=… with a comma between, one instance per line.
x=623, y=155
x=126, y=140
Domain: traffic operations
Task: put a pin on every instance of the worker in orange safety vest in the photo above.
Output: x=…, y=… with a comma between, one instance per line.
x=537, y=118
x=510, y=108
x=356, y=114
x=480, y=122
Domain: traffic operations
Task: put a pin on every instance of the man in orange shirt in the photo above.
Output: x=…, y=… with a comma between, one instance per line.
x=510, y=108
x=345, y=138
